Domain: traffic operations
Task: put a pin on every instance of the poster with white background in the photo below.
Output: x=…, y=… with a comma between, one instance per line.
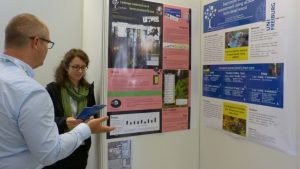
x=244, y=80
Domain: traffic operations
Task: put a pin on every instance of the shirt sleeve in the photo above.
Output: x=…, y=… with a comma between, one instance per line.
x=36, y=123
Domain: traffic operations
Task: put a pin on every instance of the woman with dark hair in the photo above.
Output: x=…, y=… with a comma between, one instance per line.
x=70, y=93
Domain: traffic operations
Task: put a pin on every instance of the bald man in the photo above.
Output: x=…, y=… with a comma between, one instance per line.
x=29, y=137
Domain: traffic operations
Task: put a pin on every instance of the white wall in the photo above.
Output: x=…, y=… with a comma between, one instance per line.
x=64, y=19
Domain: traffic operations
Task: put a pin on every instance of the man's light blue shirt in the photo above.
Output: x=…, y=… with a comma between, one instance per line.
x=29, y=137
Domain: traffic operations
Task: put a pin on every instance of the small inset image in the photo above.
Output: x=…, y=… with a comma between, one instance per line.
x=119, y=155
x=155, y=79
x=206, y=69
x=175, y=88
x=234, y=125
x=115, y=103
x=274, y=69
x=236, y=39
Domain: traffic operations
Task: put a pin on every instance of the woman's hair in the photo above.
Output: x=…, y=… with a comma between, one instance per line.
x=61, y=74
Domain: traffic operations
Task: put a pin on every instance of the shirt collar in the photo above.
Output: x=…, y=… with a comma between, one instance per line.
x=25, y=67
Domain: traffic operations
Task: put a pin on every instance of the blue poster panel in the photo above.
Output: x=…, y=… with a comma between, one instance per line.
x=260, y=84
x=230, y=13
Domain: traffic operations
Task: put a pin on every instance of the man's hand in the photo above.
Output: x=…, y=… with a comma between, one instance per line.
x=96, y=126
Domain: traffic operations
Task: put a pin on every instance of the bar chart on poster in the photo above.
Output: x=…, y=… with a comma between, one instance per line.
x=138, y=123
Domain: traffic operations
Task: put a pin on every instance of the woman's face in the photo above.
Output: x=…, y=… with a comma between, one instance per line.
x=76, y=70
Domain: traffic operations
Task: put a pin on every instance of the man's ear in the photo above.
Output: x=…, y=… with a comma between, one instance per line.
x=34, y=42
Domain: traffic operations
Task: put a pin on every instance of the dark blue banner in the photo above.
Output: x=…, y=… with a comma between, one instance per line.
x=229, y=13
x=250, y=83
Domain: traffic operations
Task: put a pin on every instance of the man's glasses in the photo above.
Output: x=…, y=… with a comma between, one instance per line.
x=50, y=43
x=77, y=67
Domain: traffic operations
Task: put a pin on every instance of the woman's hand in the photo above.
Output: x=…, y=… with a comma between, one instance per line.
x=72, y=122
x=92, y=117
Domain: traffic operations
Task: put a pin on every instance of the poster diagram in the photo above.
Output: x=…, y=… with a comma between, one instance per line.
x=244, y=77
x=148, y=67
x=134, y=123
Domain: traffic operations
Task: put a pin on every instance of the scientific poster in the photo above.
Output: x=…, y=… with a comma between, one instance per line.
x=148, y=67
x=243, y=81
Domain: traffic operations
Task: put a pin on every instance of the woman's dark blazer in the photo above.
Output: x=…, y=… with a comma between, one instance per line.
x=81, y=154
x=55, y=93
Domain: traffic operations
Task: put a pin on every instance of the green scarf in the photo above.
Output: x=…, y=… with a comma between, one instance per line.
x=80, y=96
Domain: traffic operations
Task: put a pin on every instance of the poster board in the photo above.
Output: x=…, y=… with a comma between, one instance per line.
x=244, y=78
x=148, y=68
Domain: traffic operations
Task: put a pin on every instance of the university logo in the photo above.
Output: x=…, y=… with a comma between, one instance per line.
x=115, y=3
x=209, y=14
